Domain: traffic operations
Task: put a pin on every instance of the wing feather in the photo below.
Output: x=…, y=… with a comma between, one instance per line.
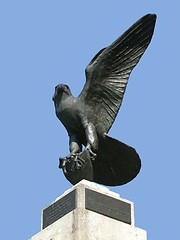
x=108, y=72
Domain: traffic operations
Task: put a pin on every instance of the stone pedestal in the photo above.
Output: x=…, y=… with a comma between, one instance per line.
x=89, y=211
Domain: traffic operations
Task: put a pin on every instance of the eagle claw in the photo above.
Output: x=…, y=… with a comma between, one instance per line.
x=78, y=161
x=92, y=154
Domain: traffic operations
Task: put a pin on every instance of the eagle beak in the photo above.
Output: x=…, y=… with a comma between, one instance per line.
x=55, y=93
x=54, y=96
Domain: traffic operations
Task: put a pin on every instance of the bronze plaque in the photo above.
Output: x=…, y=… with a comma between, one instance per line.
x=59, y=209
x=108, y=206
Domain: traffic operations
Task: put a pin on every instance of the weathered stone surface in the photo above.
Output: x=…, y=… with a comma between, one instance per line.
x=83, y=223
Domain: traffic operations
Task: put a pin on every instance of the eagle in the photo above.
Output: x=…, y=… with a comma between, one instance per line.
x=89, y=117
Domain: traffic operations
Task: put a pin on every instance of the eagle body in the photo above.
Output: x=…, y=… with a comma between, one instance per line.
x=89, y=117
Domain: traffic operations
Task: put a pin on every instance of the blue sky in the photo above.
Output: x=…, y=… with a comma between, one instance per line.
x=44, y=43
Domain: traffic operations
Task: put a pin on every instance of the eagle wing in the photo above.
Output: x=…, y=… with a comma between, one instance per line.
x=108, y=72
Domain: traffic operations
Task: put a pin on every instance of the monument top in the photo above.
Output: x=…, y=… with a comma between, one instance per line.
x=89, y=211
x=94, y=186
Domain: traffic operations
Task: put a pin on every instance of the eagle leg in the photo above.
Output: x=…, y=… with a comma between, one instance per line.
x=92, y=140
x=75, y=145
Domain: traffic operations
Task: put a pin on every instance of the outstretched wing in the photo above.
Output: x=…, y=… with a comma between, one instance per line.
x=108, y=72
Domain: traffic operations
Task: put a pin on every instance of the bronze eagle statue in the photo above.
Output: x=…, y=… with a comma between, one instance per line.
x=89, y=117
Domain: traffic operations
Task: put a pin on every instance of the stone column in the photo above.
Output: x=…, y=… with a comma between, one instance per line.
x=89, y=211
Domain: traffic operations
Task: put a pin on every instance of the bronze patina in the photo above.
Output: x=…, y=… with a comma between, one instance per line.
x=89, y=117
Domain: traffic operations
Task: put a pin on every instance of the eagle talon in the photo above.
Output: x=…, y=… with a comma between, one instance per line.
x=92, y=154
x=79, y=162
x=62, y=162
x=71, y=157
